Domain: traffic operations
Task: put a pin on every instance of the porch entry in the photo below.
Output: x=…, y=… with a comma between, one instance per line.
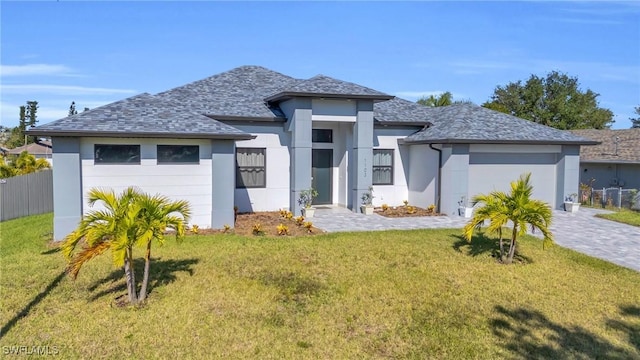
x=321, y=175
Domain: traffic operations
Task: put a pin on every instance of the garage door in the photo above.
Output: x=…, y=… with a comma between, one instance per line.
x=495, y=171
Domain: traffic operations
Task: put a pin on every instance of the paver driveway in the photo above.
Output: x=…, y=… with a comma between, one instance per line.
x=581, y=231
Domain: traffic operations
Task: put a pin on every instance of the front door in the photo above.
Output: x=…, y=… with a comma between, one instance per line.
x=321, y=167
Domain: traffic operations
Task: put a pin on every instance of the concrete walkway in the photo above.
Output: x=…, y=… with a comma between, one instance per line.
x=581, y=231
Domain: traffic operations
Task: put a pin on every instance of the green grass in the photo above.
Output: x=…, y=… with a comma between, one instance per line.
x=625, y=216
x=398, y=294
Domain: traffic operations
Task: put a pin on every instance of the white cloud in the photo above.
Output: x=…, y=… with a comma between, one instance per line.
x=35, y=69
x=62, y=90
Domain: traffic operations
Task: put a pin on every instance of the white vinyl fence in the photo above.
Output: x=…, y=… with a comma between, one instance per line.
x=26, y=195
x=611, y=197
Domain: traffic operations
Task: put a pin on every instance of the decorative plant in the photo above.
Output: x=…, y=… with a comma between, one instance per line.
x=405, y=202
x=411, y=209
x=257, y=229
x=282, y=229
x=309, y=226
x=194, y=229
x=571, y=197
x=299, y=220
x=462, y=201
x=385, y=207
x=367, y=197
x=286, y=214
x=431, y=209
x=306, y=197
x=226, y=228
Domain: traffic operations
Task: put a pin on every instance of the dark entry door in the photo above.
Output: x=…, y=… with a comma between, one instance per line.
x=321, y=167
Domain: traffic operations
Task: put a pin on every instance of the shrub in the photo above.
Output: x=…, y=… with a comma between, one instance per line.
x=282, y=229
x=257, y=229
x=411, y=209
x=431, y=208
x=405, y=202
x=226, y=228
x=385, y=207
x=194, y=229
x=309, y=226
x=300, y=220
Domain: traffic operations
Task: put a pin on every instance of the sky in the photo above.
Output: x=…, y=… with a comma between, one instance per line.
x=94, y=53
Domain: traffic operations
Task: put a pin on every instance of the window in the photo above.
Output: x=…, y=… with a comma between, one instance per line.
x=382, y=167
x=178, y=154
x=116, y=154
x=250, y=168
x=322, y=135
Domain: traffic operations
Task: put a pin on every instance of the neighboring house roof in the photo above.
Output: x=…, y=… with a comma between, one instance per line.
x=470, y=123
x=42, y=147
x=325, y=86
x=616, y=146
x=142, y=115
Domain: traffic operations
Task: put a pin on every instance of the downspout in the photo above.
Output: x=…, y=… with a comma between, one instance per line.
x=439, y=175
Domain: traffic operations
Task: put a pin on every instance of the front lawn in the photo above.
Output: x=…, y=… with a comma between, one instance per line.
x=625, y=216
x=397, y=294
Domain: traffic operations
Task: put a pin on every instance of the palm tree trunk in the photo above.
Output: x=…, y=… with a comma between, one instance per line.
x=501, y=246
x=130, y=276
x=512, y=247
x=145, y=278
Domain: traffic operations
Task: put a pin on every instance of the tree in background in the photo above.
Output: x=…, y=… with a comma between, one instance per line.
x=24, y=164
x=72, y=109
x=27, y=115
x=444, y=99
x=31, y=113
x=635, y=122
x=555, y=100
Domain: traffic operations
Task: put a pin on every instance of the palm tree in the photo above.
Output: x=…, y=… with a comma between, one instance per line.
x=517, y=208
x=157, y=214
x=26, y=163
x=126, y=220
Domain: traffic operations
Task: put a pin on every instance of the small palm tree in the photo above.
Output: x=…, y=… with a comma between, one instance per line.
x=516, y=207
x=157, y=214
x=127, y=219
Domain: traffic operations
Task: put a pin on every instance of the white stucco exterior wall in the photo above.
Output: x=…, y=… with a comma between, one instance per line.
x=190, y=182
x=423, y=176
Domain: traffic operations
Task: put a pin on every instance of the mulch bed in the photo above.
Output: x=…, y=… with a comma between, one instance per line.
x=265, y=223
x=405, y=211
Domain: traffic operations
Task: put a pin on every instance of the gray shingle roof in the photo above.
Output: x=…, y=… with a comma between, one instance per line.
x=469, y=123
x=627, y=149
x=321, y=85
x=402, y=111
x=239, y=92
x=142, y=115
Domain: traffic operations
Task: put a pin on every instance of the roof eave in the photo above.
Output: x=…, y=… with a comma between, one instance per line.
x=133, y=134
x=483, y=141
x=291, y=94
x=612, y=161
x=246, y=118
x=402, y=123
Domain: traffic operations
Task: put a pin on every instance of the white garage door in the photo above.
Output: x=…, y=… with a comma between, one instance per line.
x=495, y=171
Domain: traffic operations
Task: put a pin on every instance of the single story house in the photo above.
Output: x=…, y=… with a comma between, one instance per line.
x=255, y=138
x=41, y=149
x=613, y=163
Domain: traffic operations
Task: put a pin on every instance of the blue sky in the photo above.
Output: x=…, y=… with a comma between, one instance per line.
x=95, y=53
